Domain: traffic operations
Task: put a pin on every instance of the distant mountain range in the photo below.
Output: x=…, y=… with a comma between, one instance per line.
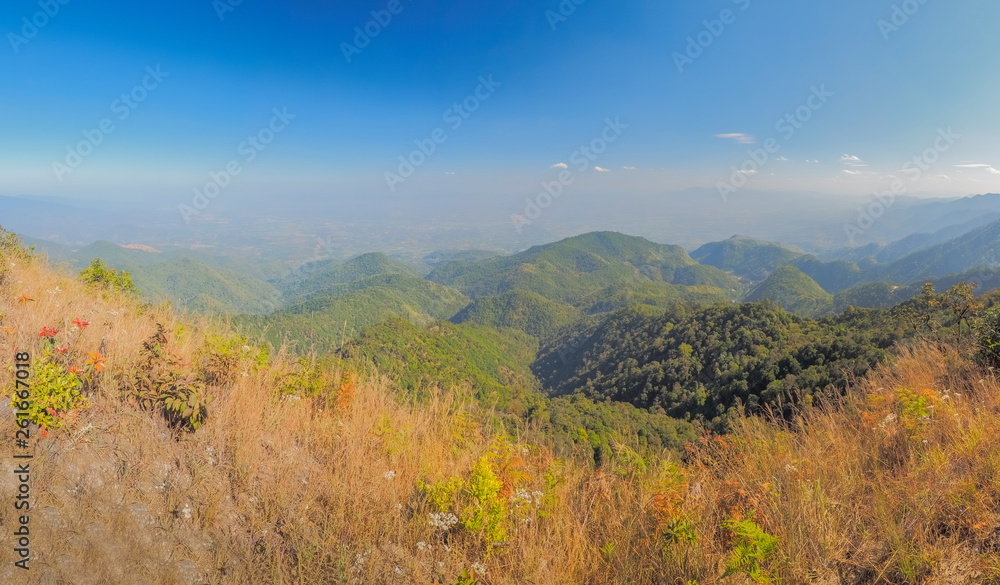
x=550, y=287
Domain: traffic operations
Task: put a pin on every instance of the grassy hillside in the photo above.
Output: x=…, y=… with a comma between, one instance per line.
x=792, y=289
x=183, y=281
x=584, y=270
x=303, y=473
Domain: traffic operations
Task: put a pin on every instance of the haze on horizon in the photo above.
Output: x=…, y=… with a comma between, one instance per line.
x=396, y=102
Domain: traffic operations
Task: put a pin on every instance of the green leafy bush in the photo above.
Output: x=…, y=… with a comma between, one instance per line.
x=988, y=338
x=52, y=391
x=98, y=274
x=752, y=550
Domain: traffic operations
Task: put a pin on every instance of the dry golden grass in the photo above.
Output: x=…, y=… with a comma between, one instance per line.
x=884, y=487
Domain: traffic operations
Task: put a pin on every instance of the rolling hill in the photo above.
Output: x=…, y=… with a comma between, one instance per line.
x=793, y=290
x=594, y=272
x=745, y=257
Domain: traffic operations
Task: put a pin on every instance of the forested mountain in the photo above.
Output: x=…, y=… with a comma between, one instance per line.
x=792, y=289
x=530, y=312
x=745, y=257
x=700, y=365
x=320, y=277
x=591, y=270
x=324, y=320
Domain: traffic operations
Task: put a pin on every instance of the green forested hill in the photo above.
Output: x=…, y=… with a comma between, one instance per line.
x=586, y=271
x=494, y=363
x=188, y=283
x=348, y=308
x=524, y=310
x=181, y=279
x=790, y=288
x=700, y=365
x=745, y=257
x=319, y=278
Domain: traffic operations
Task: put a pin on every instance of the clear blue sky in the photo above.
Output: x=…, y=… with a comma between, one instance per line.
x=893, y=90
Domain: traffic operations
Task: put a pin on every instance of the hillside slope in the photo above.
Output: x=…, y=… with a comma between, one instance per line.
x=300, y=472
x=592, y=270
x=792, y=289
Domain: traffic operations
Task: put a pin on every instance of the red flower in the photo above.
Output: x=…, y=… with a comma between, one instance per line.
x=44, y=432
x=48, y=332
x=80, y=324
x=75, y=370
x=62, y=349
x=24, y=299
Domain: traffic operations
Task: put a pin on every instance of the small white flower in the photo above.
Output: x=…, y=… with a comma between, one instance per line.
x=443, y=521
x=186, y=511
x=478, y=568
x=389, y=474
x=421, y=545
x=399, y=571
x=55, y=291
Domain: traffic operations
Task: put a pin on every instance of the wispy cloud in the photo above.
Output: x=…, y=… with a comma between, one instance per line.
x=602, y=170
x=737, y=138
x=559, y=166
x=985, y=167
x=627, y=168
x=850, y=172
x=852, y=161
x=782, y=159
x=449, y=172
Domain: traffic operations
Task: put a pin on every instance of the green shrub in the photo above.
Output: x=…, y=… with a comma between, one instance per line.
x=52, y=391
x=988, y=338
x=752, y=550
x=98, y=274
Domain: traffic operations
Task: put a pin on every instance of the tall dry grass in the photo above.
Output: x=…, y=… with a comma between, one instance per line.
x=896, y=483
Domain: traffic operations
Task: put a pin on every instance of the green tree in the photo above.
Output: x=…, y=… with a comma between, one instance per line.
x=98, y=274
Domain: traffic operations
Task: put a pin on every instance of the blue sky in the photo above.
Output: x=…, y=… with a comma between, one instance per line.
x=895, y=88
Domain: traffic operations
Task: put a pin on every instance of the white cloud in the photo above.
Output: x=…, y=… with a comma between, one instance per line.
x=449, y=172
x=602, y=170
x=811, y=161
x=852, y=161
x=850, y=172
x=782, y=159
x=559, y=166
x=987, y=168
x=750, y=172
x=737, y=137
x=627, y=168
